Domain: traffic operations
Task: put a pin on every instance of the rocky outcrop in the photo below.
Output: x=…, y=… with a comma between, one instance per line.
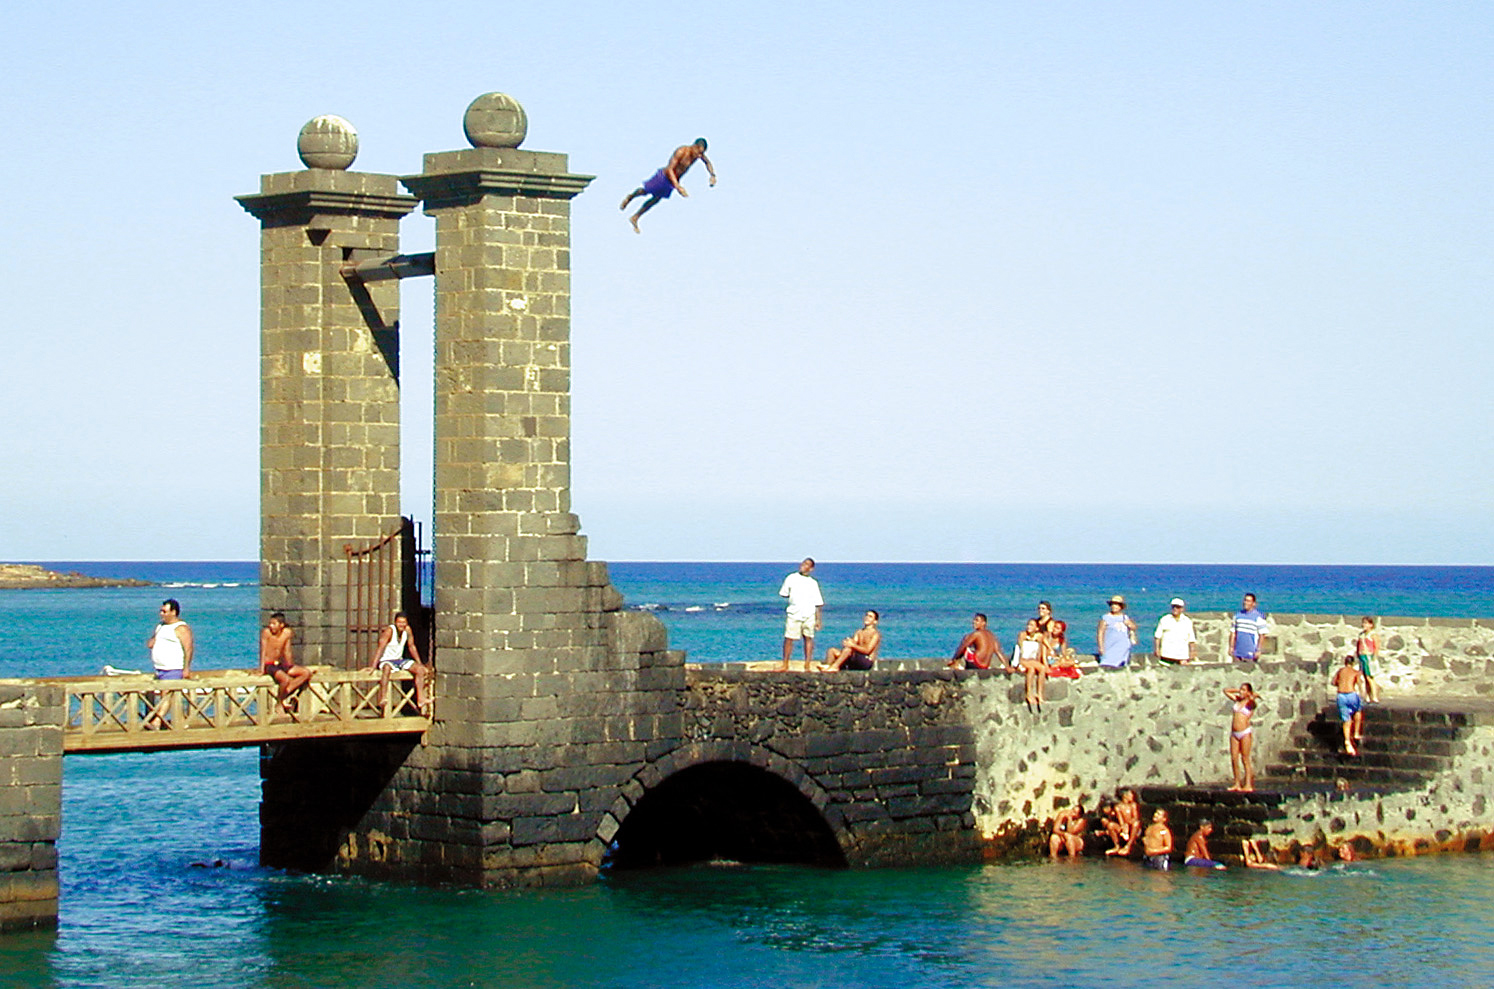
x=22, y=576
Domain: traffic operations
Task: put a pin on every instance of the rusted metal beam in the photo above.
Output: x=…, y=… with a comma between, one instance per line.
x=393, y=266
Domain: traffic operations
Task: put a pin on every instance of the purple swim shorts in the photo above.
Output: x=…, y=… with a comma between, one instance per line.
x=658, y=185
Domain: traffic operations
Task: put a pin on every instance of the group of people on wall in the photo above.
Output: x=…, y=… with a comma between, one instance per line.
x=1042, y=649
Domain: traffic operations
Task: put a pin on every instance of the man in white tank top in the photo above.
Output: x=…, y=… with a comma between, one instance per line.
x=396, y=650
x=171, y=645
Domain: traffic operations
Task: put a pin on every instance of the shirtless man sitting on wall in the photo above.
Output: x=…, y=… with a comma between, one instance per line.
x=857, y=651
x=977, y=647
x=1068, y=831
x=278, y=663
x=1126, y=827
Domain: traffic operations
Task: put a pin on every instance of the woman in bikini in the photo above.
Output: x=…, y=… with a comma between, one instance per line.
x=1032, y=652
x=1241, y=736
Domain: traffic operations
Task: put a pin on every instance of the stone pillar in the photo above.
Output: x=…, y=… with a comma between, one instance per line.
x=31, y=718
x=549, y=698
x=329, y=419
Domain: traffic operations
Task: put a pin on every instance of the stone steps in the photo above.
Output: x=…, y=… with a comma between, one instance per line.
x=1405, y=746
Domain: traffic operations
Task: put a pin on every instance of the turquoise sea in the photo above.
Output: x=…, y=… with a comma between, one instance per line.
x=158, y=853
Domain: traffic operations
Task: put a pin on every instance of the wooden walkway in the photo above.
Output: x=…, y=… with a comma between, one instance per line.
x=137, y=713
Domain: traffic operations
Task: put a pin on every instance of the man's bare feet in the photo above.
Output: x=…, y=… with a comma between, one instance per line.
x=634, y=220
x=1350, y=750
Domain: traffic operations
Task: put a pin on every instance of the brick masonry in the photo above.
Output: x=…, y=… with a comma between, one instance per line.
x=31, y=718
x=559, y=713
x=889, y=759
x=329, y=400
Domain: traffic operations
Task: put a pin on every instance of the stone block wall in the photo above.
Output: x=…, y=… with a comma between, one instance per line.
x=890, y=759
x=329, y=403
x=532, y=806
x=1453, y=812
x=1442, y=655
x=1147, y=724
x=31, y=718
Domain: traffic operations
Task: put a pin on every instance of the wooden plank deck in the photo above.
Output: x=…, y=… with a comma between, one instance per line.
x=137, y=713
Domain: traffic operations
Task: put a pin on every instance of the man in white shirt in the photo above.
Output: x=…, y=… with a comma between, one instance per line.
x=1175, y=641
x=804, y=613
x=171, y=646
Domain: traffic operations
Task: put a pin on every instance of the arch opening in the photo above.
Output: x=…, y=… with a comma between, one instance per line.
x=724, y=811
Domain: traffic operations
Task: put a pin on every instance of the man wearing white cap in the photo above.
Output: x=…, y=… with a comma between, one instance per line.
x=1175, y=641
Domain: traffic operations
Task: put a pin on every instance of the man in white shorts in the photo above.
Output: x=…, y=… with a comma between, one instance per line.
x=804, y=613
x=396, y=650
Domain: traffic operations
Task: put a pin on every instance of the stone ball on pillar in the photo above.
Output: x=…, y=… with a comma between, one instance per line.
x=495, y=120
x=327, y=141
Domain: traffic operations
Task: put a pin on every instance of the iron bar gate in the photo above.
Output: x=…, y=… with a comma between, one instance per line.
x=393, y=574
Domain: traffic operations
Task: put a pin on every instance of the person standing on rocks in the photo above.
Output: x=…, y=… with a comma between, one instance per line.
x=805, y=612
x=1348, y=681
x=1116, y=635
x=1242, y=736
x=1174, y=641
x=1367, y=649
x=1247, y=630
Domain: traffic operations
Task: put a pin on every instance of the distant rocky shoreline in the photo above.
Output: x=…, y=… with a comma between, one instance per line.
x=29, y=576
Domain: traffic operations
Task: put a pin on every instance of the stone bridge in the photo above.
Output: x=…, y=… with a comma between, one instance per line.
x=566, y=733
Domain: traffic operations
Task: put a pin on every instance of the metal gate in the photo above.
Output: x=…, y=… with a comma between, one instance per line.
x=390, y=575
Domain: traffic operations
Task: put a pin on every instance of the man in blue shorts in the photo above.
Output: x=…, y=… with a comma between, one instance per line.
x=1347, y=681
x=667, y=179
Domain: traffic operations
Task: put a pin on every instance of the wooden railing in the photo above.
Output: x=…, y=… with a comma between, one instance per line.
x=135, y=713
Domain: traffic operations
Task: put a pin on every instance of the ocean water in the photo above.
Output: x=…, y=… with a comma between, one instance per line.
x=161, y=887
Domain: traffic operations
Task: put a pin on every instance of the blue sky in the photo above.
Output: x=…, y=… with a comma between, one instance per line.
x=1000, y=282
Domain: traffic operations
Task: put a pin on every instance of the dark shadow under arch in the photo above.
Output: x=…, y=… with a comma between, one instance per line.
x=724, y=811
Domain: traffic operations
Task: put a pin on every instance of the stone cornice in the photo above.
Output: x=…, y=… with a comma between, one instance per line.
x=299, y=206
x=443, y=189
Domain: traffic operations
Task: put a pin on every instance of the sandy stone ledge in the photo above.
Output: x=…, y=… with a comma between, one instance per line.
x=29, y=576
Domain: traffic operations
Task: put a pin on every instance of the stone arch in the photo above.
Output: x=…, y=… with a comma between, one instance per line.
x=721, y=799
